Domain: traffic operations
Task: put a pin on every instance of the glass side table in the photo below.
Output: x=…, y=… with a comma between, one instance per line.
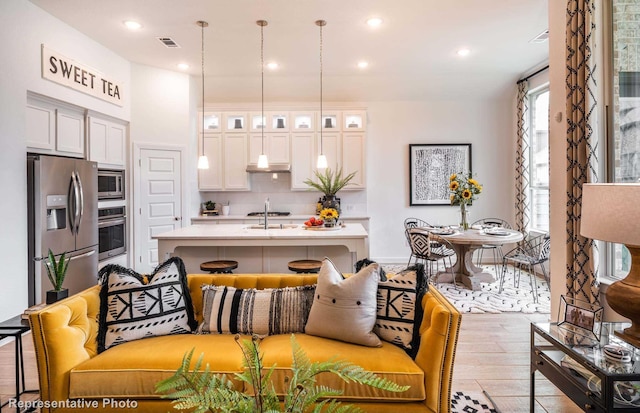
x=15, y=327
x=578, y=367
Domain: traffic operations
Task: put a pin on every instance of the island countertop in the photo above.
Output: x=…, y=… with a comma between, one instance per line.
x=231, y=240
x=235, y=231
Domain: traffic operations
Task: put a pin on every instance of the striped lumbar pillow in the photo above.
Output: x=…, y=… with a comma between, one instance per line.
x=252, y=311
x=133, y=306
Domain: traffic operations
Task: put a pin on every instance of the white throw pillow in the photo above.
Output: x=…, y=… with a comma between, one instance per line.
x=345, y=308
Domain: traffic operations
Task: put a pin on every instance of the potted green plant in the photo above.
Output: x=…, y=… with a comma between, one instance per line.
x=210, y=205
x=329, y=183
x=56, y=271
x=204, y=391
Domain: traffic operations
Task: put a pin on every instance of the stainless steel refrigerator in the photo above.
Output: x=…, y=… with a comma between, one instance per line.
x=63, y=216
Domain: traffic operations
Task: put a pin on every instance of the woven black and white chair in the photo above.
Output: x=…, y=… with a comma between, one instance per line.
x=495, y=249
x=412, y=223
x=431, y=250
x=528, y=254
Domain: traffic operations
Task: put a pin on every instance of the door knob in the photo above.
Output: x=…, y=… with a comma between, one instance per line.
x=177, y=218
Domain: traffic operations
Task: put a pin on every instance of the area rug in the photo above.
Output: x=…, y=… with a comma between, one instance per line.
x=489, y=300
x=470, y=402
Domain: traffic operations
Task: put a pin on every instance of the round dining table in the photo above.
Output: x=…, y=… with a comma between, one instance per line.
x=465, y=243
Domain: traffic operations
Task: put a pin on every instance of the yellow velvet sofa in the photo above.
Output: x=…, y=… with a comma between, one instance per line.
x=74, y=377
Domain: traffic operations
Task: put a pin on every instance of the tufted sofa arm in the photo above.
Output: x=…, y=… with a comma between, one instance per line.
x=64, y=335
x=438, y=340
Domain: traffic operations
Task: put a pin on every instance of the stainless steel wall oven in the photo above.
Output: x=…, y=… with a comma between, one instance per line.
x=112, y=232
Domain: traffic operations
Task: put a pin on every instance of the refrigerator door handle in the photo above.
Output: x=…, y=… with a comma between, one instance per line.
x=71, y=201
x=80, y=202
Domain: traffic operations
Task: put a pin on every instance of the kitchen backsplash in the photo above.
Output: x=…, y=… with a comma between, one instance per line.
x=281, y=198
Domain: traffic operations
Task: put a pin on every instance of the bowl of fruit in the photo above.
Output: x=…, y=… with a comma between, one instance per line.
x=313, y=222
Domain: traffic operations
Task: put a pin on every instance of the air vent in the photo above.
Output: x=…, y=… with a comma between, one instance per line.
x=541, y=38
x=168, y=41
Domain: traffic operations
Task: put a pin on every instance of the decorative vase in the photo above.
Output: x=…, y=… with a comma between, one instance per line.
x=330, y=223
x=328, y=123
x=331, y=201
x=280, y=123
x=464, y=217
x=237, y=124
x=54, y=296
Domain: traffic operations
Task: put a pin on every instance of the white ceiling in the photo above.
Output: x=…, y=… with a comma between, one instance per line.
x=412, y=55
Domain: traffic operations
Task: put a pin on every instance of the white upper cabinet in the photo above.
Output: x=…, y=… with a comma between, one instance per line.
x=70, y=131
x=41, y=126
x=235, y=139
x=107, y=142
x=54, y=128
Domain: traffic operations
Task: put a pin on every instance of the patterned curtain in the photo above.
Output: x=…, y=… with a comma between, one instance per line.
x=582, y=161
x=522, y=159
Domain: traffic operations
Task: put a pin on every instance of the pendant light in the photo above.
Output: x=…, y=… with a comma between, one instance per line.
x=263, y=162
x=203, y=161
x=322, y=160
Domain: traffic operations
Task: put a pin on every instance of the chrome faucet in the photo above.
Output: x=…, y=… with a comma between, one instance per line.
x=266, y=213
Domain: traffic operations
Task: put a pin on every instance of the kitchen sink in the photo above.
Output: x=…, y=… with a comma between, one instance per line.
x=274, y=226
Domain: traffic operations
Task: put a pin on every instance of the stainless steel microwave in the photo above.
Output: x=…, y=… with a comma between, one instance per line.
x=110, y=184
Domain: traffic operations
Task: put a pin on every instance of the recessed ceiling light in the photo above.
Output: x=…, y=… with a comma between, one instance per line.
x=363, y=64
x=272, y=65
x=183, y=66
x=132, y=25
x=463, y=52
x=374, y=21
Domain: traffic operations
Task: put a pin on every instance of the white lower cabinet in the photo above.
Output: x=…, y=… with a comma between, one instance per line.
x=107, y=142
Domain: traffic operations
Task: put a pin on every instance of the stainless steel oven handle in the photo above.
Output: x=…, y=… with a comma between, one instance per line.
x=111, y=222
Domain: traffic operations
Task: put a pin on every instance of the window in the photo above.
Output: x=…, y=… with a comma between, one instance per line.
x=539, y=158
x=623, y=164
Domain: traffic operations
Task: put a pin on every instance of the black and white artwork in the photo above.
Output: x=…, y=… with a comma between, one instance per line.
x=430, y=167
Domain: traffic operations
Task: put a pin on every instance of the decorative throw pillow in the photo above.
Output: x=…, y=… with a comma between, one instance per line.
x=345, y=308
x=133, y=306
x=252, y=311
x=400, y=308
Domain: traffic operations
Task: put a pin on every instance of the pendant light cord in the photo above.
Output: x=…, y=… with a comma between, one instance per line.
x=321, y=23
x=262, y=119
x=202, y=25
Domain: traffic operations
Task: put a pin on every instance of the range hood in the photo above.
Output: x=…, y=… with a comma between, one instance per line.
x=273, y=168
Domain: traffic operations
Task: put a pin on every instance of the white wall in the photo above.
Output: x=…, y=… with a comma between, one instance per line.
x=23, y=28
x=487, y=125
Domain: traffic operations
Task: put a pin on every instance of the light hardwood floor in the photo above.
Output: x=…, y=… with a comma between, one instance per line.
x=492, y=355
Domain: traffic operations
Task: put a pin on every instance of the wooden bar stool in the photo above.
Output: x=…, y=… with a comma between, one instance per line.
x=305, y=266
x=219, y=266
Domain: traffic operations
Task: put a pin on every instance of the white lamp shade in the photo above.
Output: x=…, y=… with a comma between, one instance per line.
x=203, y=162
x=322, y=162
x=263, y=162
x=611, y=212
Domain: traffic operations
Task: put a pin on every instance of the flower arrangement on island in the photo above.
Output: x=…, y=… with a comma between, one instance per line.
x=464, y=189
x=329, y=216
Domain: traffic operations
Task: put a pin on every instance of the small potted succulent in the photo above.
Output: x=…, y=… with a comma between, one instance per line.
x=56, y=271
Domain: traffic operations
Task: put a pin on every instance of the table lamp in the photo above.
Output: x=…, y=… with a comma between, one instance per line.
x=611, y=212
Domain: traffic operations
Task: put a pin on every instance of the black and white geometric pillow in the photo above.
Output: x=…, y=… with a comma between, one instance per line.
x=399, y=308
x=263, y=312
x=133, y=306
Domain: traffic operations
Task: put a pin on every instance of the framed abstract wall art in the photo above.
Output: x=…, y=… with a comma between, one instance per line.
x=430, y=166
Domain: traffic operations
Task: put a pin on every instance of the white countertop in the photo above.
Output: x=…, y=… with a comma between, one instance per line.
x=301, y=218
x=242, y=231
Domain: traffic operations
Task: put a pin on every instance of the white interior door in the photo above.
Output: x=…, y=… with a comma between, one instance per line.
x=160, y=202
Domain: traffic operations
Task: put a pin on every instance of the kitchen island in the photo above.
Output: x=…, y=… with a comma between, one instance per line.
x=260, y=250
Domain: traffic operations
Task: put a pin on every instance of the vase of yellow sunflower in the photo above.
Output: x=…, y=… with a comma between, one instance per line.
x=330, y=217
x=464, y=189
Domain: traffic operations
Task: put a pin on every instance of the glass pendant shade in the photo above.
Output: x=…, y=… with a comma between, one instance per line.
x=322, y=162
x=203, y=162
x=263, y=162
